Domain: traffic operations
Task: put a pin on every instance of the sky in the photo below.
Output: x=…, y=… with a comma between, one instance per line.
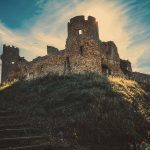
x=31, y=25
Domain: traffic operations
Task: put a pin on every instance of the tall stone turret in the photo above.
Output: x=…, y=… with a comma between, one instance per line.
x=9, y=59
x=87, y=28
x=80, y=31
x=82, y=45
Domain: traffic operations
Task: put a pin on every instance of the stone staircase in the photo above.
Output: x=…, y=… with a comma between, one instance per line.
x=16, y=134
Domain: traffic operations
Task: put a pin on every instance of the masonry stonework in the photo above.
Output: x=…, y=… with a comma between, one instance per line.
x=84, y=52
x=110, y=58
x=11, y=63
x=82, y=45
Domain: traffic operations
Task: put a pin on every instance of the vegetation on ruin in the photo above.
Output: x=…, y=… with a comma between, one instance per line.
x=100, y=110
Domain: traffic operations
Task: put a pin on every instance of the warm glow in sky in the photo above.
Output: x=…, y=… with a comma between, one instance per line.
x=32, y=26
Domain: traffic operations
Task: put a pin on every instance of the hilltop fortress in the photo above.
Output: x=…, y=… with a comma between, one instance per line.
x=84, y=52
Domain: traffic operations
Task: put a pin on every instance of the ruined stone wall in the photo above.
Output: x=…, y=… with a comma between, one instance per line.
x=110, y=58
x=19, y=71
x=52, y=50
x=16, y=67
x=10, y=60
x=126, y=67
x=87, y=61
x=45, y=65
x=140, y=77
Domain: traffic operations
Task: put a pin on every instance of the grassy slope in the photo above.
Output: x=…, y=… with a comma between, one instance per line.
x=102, y=111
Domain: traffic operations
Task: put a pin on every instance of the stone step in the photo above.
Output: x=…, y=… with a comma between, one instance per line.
x=14, y=126
x=45, y=146
x=23, y=141
x=10, y=133
x=17, y=134
x=11, y=119
x=6, y=113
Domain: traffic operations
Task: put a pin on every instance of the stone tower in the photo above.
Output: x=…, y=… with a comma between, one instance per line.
x=9, y=59
x=82, y=45
x=79, y=31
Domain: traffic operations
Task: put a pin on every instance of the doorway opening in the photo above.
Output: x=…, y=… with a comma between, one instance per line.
x=106, y=70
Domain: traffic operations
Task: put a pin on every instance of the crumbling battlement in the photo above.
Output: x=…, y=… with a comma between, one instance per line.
x=84, y=52
x=140, y=77
x=10, y=63
x=126, y=67
x=79, y=26
x=110, y=51
x=110, y=58
x=52, y=50
x=44, y=65
x=11, y=51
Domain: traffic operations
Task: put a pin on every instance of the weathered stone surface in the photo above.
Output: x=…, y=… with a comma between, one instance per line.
x=140, y=77
x=52, y=50
x=84, y=52
x=10, y=63
x=126, y=67
x=110, y=58
x=45, y=65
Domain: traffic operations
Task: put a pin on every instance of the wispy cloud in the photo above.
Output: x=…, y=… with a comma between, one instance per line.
x=50, y=28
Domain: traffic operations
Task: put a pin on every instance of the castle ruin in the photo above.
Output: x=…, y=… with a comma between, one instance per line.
x=84, y=52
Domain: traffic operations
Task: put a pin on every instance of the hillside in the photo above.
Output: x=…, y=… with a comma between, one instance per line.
x=90, y=111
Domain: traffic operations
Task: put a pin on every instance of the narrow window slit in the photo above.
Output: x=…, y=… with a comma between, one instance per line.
x=81, y=50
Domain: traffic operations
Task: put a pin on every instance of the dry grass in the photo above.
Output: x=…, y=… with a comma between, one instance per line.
x=129, y=89
x=7, y=84
x=94, y=105
x=133, y=93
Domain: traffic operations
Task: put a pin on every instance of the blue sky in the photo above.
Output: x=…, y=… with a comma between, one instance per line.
x=33, y=24
x=14, y=13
